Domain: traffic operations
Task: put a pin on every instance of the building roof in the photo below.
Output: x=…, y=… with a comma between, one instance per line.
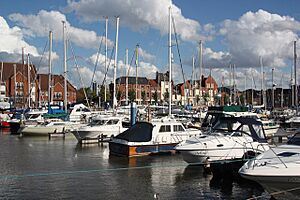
x=153, y=83
x=8, y=70
x=43, y=80
x=132, y=80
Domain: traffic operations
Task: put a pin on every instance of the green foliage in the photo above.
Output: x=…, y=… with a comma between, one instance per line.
x=166, y=96
x=131, y=95
x=155, y=96
x=143, y=96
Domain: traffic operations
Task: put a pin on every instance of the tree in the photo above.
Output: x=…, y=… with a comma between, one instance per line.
x=166, y=96
x=217, y=99
x=119, y=95
x=131, y=95
x=108, y=97
x=143, y=97
x=206, y=97
x=155, y=96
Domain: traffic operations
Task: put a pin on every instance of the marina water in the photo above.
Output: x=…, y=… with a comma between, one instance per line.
x=39, y=168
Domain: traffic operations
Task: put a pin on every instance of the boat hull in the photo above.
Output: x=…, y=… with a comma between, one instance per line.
x=139, y=150
x=81, y=134
x=40, y=131
x=4, y=124
x=280, y=187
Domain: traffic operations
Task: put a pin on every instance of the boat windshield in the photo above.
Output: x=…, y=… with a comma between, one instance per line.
x=32, y=116
x=295, y=140
x=97, y=122
x=239, y=127
x=226, y=126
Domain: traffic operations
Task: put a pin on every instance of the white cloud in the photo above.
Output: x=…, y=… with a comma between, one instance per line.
x=260, y=33
x=40, y=25
x=145, y=69
x=138, y=15
x=147, y=57
x=12, y=40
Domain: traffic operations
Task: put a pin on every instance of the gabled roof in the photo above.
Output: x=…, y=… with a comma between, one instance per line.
x=43, y=80
x=8, y=70
x=132, y=80
x=153, y=83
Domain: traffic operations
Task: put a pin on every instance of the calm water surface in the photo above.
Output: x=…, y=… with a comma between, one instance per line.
x=38, y=168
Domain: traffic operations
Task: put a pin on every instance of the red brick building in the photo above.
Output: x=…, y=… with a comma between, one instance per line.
x=190, y=91
x=14, y=83
x=14, y=86
x=57, y=90
x=142, y=91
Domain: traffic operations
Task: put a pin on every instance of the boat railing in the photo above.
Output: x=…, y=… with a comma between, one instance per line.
x=278, y=157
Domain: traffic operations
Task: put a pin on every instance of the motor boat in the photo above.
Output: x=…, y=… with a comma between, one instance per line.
x=277, y=169
x=81, y=113
x=214, y=113
x=48, y=127
x=144, y=138
x=270, y=127
x=231, y=139
x=101, y=127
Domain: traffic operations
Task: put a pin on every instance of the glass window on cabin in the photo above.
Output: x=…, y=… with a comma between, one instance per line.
x=112, y=121
x=165, y=128
x=258, y=130
x=245, y=128
x=178, y=128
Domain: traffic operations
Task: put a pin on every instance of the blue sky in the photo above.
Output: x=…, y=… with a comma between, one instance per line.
x=236, y=32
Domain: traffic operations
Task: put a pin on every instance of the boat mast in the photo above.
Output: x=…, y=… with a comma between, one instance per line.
x=28, y=79
x=245, y=101
x=201, y=62
x=170, y=62
x=126, y=64
x=252, y=88
x=295, y=75
x=230, y=83
x=105, y=62
x=281, y=100
x=234, y=89
x=136, y=72
x=50, y=70
x=292, y=87
x=65, y=69
x=193, y=78
x=272, y=88
x=1, y=72
x=15, y=83
x=115, y=63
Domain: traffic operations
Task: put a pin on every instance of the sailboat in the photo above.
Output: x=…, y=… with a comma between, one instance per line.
x=161, y=135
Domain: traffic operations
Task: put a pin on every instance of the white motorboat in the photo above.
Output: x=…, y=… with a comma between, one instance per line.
x=81, y=113
x=214, y=113
x=270, y=127
x=232, y=138
x=101, y=127
x=35, y=116
x=277, y=170
x=144, y=138
x=293, y=122
x=48, y=127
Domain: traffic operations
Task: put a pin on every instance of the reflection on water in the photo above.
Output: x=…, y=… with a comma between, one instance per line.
x=62, y=169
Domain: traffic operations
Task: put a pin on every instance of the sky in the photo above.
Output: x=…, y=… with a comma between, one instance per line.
x=241, y=33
